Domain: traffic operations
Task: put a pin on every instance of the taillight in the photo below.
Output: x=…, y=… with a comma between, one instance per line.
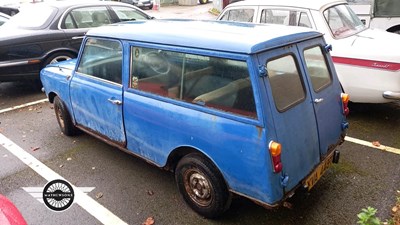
x=345, y=100
x=275, y=150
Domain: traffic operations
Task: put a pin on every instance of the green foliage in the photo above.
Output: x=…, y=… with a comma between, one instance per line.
x=367, y=217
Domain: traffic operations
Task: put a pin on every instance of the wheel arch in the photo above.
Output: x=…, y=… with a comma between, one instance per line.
x=51, y=96
x=177, y=154
x=56, y=51
x=394, y=29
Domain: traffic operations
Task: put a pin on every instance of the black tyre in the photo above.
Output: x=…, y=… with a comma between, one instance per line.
x=202, y=186
x=63, y=118
x=203, y=1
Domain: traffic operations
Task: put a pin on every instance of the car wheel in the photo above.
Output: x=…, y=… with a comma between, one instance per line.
x=203, y=1
x=396, y=31
x=63, y=118
x=202, y=186
x=58, y=57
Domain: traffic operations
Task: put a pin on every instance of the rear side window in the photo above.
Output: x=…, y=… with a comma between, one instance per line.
x=239, y=15
x=86, y=17
x=218, y=83
x=285, y=17
x=102, y=59
x=317, y=68
x=286, y=84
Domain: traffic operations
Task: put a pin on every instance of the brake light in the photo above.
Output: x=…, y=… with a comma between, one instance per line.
x=275, y=149
x=345, y=100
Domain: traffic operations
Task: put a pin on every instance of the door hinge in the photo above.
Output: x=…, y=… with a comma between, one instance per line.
x=262, y=71
x=328, y=48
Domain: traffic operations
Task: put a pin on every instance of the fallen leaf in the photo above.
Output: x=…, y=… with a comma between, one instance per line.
x=376, y=143
x=61, y=165
x=99, y=195
x=35, y=148
x=395, y=209
x=149, y=221
x=150, y=192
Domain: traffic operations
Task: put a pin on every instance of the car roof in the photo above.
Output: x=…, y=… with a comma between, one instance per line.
x=212, y=35
x=309, y=4
x=76, y=3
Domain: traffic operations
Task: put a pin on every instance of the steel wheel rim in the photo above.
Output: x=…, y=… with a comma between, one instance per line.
x=59, y=59
x=198, y=187
x=59, y=116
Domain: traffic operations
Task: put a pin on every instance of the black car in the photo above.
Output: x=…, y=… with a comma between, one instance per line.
x=43, y=33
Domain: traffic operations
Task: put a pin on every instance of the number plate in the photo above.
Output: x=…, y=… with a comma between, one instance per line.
x=313, y=178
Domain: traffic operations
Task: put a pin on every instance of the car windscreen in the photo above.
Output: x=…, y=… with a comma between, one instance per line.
x=33, y=17
x=342, y=21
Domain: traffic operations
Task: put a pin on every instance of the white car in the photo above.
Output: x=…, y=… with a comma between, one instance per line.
x=367, y=61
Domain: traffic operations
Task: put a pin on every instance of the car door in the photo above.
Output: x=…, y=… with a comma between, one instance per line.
x=293, y=113
x=96, y=90
x=325, y=92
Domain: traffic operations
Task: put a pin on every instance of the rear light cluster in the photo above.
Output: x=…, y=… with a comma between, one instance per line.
x=345, y=100
x=275, y=150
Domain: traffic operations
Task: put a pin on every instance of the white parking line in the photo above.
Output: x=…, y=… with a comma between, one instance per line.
x=370, y=144
x=90, y=205
x=23, y=105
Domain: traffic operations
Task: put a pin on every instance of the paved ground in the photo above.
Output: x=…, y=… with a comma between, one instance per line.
x=133, y=190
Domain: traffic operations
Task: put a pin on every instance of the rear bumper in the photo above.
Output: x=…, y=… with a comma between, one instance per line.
x=391, y=95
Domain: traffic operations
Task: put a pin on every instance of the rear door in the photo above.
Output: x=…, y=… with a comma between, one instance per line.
x=292, y=107
x=325, y=92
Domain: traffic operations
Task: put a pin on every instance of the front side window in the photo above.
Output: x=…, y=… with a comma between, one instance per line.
x=102, y=59
x=218, y=83
x=285, y=17
x=317, y=68
x=239, y=15
x=286, y=83
x=342, y=21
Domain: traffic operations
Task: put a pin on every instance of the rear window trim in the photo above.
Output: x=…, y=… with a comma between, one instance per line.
x=296, y=61
x=326, y=63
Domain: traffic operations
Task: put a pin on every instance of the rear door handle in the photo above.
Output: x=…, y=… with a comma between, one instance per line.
x=115, y=101
x=318, y=100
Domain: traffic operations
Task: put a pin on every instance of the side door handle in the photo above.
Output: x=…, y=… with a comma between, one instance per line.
x=77, y=37
x=115, y=101
x=318, y=100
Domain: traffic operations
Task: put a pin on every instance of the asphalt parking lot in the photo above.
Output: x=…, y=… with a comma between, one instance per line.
x=122, y=189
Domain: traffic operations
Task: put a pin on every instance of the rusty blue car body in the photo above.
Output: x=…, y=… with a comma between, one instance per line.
x=266, y=111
